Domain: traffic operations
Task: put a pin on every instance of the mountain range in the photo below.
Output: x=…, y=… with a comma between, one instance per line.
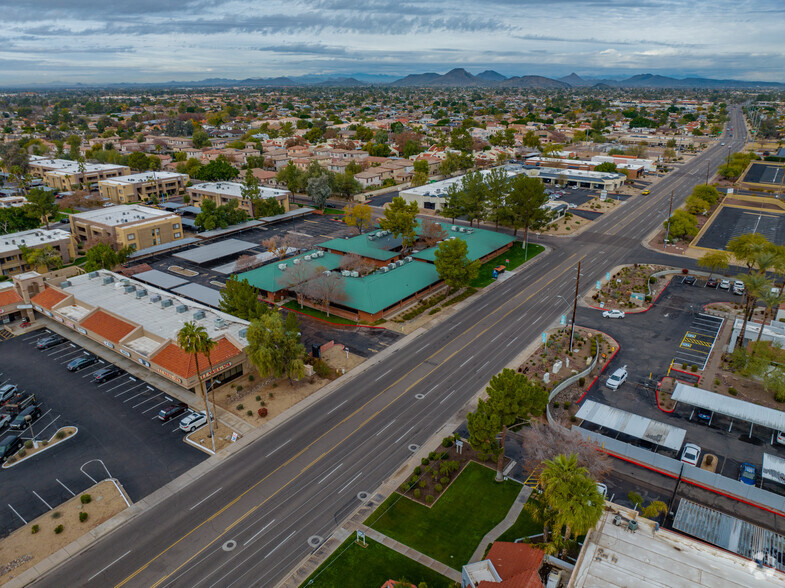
x=455, y=78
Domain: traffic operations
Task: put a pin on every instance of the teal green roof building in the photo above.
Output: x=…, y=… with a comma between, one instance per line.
x=380, y=290
x=480, y=242
x=375, y=244
x=273, y=278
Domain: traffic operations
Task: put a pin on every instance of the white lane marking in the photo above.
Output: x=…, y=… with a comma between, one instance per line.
x=384, y=374
x=337, y=406
x=332, y=471
x=259, y=532
x=350, y=482
x=146, y=400
x=431, y=390
x=467, y=361
x=455, y=325
x=205, y=498
x=385, y=427
x=47, y=426
x=497, y=336
x=404, y=435
x=279, y=447
x=109, y=566
x=483, y=365
x=281, y=543
x=17, y=514
x=511, y=342
x=154, y=407
x=42, y=500
x=64, y=486
x=483, y=306
x=446, y=397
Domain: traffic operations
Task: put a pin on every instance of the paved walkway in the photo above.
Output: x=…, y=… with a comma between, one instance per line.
x=508, y=522
x=437, y=566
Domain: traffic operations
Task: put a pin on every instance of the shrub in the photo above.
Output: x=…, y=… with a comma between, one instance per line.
x=22, y=452
x=271, y=395
x=44, y=442
x=34, y=529
x=716, y=381
x=438, y=487
x=58, y=529
x=556, y=405
x=258, y=398
x=82, y=517
x=429, y=499
x=239, y=407
x=422, y=483
x=447, y=442
x=413, y=479
x=425, y=461
x=417, y=492
x=251, y=378
x=779, y=396
x=262, y=403
x=262, y=412
x=28, y=444
x=239, y=388
x=573, y=419
x=652, y=279
x=566, y=405
x=85, y=498
x=56, y=514
x=417, y=471
x=321, y=368
x=581, y=381
x=732, y=391
x=444, y=480
x=432, y=456
x=684, y=366
x=694, y=367
x=249, y=412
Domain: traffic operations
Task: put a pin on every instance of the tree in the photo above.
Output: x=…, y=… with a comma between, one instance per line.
x=250, y=189
x=400, y=218
x=512, y=397
x=41, y=203
x=357, y=215
x=543, y=443
x=217, y=170
x=345, y=184
x=526, y=205
x=194, y=340
x=714, y=261
x=695, y=205
x=484, y=425
x=498, y=186
x=421, y=166
x=200, y=138
x=682, y=225
x=745, y=248
x=771, y=298
x=46, y=256
x=219, y=217
x=419, y=179
x=755, y=284
x=267, y=207
x=453, y=206
x=275, y=349
x=278, y=246
x=707, y=193
x=431, y=232
x=606, y=166
x=474, y=193
x=453, y=265
x=531, y=140
x=325, y=288
x=319, y=190
x=138, y=161
x=290, y=175
x=241, y=299
x=102, y=256
x=18, y=218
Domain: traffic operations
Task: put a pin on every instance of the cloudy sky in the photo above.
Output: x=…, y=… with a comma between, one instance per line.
x=103, y=41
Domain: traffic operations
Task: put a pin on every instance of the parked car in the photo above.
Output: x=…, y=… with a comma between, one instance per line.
x=725, y=284
x=704, y=415
x=20, y=421
x=613, y=314
x=5, y=420
x=193, y=421
x=691, y=454
x=712, y=283
x=781, y=437
x=617, y=378
x=10, y=445
x=747, y=473
x=50, y=341
x=81, y=362
x=106, y=374
x=689, y=280
x=738, y=288
x=6, y=392
x=18, y=403
x=167, y=413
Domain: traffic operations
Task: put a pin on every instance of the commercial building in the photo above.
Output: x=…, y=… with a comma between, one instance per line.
x=135, y=226
x=143, y=186
x=141, y=322
x=11, y=258
x=224, y=192
x=9, y=303
x=64, y=174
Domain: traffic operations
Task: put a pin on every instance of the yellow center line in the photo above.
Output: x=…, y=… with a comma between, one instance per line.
x=557, y=273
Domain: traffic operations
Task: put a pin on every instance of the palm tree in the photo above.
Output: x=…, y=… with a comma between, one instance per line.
x=194, y=339
x=755, y=284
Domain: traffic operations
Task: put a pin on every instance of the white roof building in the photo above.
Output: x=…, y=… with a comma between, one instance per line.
x=119, y=215
x=34, y=238
x=141, y=177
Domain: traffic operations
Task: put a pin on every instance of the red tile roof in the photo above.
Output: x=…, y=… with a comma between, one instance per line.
x=106, y=326
x=48, y=298
x=173, y=359
x=517, y=564
x=9, y=296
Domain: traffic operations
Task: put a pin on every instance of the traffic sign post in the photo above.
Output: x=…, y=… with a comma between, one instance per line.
x=360, y=540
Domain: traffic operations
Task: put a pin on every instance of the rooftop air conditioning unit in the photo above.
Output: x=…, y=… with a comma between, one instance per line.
x=107, y=280
x=181, y=309
x=391, y=265
x=453, y=228
x=408, y=258
x=198, y=315
x=128, y=289
x=219, y=323
x=307, y=258
x=65, y=284
x=469, y=230
x=355, y=274
x=296, y=261
x=385, y=269
x=371, y=236
x=155, y=298
x=346, y=273
x=141, y=293
x=327, y=273
x=320, y=253
x=399, y=263
x=166, y=303
x=92, y=275
x=243, y=333
x=282, y=266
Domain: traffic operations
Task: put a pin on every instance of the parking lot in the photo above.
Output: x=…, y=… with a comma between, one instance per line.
x=732, y=221
x=119, y=434
x=649, y=342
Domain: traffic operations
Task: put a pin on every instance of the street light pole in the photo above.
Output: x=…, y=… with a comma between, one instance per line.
x=575, y=304
x=707, y=172
x=668, y=228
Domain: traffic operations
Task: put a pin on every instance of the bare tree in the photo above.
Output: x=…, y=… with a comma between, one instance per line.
x=279, y=246
x=354, y=262
x=543, y=443
x=244, y=263
x=297, y=277
x=326, y=288
x=431, y=233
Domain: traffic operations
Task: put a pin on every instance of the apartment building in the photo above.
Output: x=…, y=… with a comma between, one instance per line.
x=11, y=258
x=143, y=186
x=65, y=175
x=135, y=226
x=223, y=192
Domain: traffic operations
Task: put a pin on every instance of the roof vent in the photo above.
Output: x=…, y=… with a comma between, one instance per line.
x=128, y=289
x=166, y=303
x=65, y=284
x=453, y=228
x=355, y=274
x=92, y=275
x=243, y=333
x=346, y=273
x=219, y=323
x=107, y=280
x=141, y=293
x=327, y=273
x=391, y=265
x=199, y=315
x=307, y=258
x=155, y=298
x=282, y=267
x=296, y=261
x=399, y=263
x=181, y=309
x=320, y=253
x=408, y=258
x=385, y=269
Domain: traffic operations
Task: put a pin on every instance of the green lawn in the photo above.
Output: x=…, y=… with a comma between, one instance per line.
x=292, y=305
x=329, y=210
x=516, y=256
x=445, y=532
x=525, y=526
x=352, y=566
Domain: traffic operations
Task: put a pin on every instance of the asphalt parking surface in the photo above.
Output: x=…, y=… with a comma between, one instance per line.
x=731, y=222
x=648, y=342
x=119, y=433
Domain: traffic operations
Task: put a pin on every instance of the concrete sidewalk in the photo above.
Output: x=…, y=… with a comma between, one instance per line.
x=509, y=521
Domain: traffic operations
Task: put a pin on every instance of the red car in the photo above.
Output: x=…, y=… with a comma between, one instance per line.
x=167, y=413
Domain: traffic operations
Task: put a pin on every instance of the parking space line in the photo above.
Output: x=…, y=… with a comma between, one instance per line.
x=135, y=396
x=64, y=486
x=147, y=400
x=108, y=382
x=120, y=385
x=42, y=500
x=95, y=370
x=49, y=425
x=17, y=514
x=154, y=407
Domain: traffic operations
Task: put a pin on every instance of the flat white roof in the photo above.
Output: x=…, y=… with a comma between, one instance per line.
x=773, y=468
x=118, y=215
x=66, y=166
x=234, y=189
x=162, y=321
x=613, y=557
x=732, y=407
x=32, y=238
x=143, y=177
x=440, y=188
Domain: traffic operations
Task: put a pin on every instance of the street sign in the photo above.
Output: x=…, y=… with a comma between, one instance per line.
x=544, y=337
x=234, y=437
x=563, y=320
x=599, y=285
x=608, y=276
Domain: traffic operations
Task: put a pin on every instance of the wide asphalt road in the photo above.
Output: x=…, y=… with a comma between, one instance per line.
x=247, y=522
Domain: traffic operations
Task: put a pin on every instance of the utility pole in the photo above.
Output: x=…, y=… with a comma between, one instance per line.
x=707, y=172
x=575, y=304
x=668, y=227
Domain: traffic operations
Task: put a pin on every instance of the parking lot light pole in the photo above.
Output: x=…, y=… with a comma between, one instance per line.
x=668, y=228
x=575, y=304
x=29, y=421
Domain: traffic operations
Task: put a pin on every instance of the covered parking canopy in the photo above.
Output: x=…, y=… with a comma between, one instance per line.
x=632, y=424
x=730, y=407
x=773, y=468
